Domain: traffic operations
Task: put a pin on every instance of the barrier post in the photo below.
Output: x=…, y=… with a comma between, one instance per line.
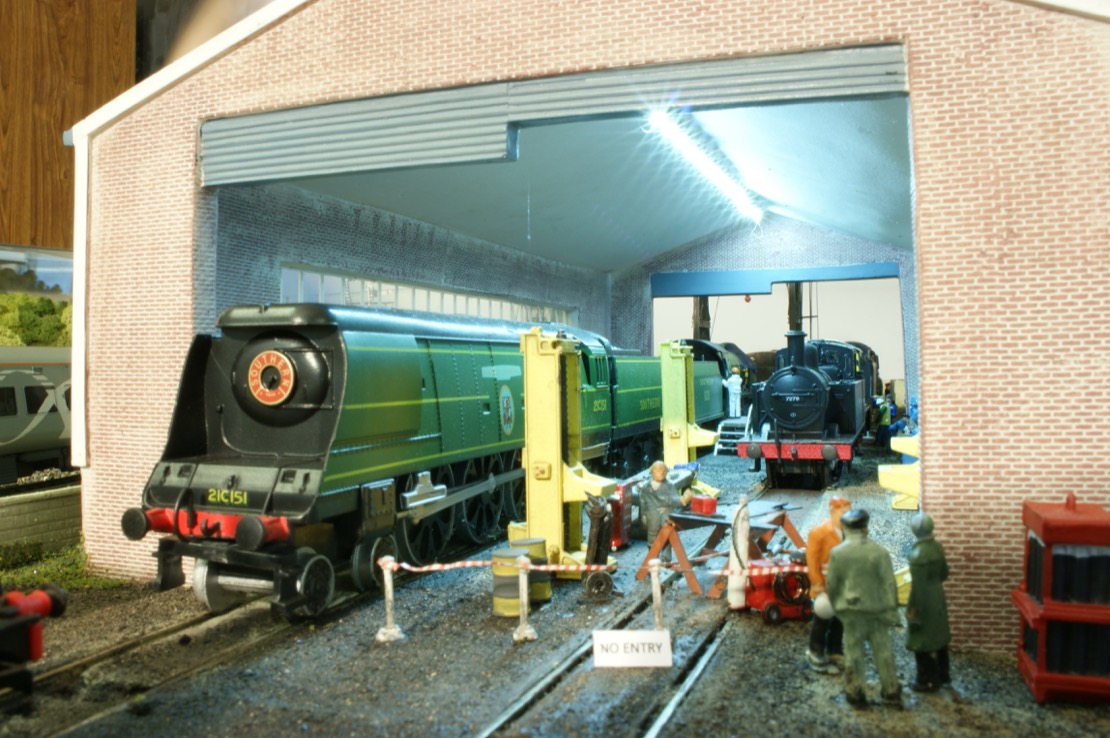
x=524, y=631
x=390, y=632
x=738, y=558
x=656, y=593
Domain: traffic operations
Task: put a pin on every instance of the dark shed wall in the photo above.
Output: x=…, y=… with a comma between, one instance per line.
x=261, y=228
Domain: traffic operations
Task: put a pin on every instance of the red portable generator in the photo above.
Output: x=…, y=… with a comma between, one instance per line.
x=779, y=591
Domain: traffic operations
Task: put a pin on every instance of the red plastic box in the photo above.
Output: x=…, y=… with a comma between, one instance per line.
x=703, y=505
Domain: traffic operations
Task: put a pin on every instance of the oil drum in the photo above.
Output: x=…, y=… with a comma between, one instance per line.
x=539, y=582
x=506, y=581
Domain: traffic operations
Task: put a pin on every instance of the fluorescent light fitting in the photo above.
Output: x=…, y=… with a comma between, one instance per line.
x=663, y=124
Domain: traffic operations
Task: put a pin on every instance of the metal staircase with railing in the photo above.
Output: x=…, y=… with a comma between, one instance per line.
x=731, y=432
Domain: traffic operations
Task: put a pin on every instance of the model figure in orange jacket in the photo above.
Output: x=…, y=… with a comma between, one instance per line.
x=826, y=635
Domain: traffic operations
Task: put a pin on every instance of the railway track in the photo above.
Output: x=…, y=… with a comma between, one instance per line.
x=73, y=697
x=84, y=690
x=62, y=677
x=643, y=702
x=565, y=683
x=690, y=678
x=119, y=688
x=81, y=691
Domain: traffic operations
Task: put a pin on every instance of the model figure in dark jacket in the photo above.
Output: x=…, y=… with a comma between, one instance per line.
x=927, y=611
x=864, y=595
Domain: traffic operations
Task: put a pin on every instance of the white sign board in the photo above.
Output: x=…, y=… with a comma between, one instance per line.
x=632, y=648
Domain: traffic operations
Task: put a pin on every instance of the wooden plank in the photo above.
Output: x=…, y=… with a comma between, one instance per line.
x=59, y=61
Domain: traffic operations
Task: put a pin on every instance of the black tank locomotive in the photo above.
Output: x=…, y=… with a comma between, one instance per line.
x=807, y=418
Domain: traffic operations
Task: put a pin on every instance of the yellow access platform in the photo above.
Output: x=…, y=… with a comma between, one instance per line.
x=681, y=434
x=552, y=387
x=556, y=483
x=904, y=480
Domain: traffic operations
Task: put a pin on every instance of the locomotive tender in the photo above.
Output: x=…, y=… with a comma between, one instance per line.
x=807, y=418
x=308, y=434
x=34, y=410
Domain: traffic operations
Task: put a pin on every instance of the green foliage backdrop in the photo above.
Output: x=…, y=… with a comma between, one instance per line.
x=30, y=320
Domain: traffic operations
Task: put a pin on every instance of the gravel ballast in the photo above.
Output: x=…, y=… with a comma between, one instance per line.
x=458, y=666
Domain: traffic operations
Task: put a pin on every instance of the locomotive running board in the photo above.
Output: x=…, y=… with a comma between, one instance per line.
x=428, y=499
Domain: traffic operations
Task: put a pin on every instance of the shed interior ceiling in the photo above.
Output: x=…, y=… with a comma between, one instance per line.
x=605, y=193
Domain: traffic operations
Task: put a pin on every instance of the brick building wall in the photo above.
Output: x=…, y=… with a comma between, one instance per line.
x=1011, y=147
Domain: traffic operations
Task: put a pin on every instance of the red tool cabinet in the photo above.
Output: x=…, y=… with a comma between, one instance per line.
x=1064, y=602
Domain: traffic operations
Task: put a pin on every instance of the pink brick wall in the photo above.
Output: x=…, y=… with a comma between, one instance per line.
x=1012, y=168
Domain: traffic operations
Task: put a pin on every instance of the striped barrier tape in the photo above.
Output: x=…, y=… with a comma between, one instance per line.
x=475, y=564
x=759, y=572
x=383, y=563
x=756, y=572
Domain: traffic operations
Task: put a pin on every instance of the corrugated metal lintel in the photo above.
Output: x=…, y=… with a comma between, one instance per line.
x=871, y=70
x=438, y=127
x=475, y=123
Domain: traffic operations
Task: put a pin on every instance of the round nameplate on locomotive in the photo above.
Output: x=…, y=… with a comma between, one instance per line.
x=271, y=377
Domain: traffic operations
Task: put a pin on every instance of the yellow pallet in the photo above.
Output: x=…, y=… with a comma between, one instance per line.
x=904, y=480
x=902, y=577
x=908, y=445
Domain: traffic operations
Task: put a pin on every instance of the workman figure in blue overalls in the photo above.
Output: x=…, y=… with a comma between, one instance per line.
x=907, y=423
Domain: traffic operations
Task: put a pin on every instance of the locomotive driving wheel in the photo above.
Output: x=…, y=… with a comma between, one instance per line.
x=824, y=475
x=212, y=594
x=774, y=474
x=365, y=572
x=316, y=582
x=512, y=492
x=422, y=541
x=478, y=516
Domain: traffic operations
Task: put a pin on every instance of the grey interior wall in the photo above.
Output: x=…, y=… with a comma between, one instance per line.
x=779, y=243
x=261, y=228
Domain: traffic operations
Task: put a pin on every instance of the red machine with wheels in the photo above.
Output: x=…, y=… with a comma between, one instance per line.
x=779, y=591
x=21, y=634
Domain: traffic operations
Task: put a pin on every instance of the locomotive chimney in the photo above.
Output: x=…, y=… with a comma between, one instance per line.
x=795, y=348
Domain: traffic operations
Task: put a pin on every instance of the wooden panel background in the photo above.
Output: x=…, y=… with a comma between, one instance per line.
x=59, y=61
